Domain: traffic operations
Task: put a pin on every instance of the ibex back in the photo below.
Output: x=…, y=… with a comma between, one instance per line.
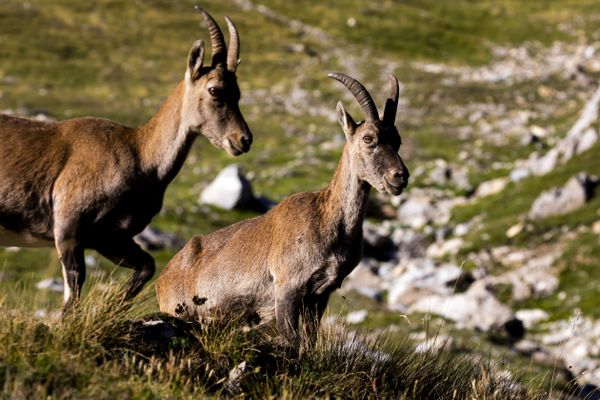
x=92, y=183
x=287, y=262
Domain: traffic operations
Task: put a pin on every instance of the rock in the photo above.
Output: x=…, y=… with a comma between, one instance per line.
x=235, y=378
x=531, y=317
x=460, y=229
x=376, y=244
x=435, y=344
x=440, y=174
x=356, y=317
x=427, y=206
x=364, y=281
x=580, y=137
x=409, y=243
x=519, y=173
x=527, y=347
x=532, y=276
x=509, y=332
x=416, y=212
x=491, y=187
x=477, y=308
x=515, y=230
x=154, y=239
x=558, y=201
x=157, y=334
x=588, y=138
x=52, y=284
x=422, y=278
x=596, y=227
x=448, y=247
x=230, y=189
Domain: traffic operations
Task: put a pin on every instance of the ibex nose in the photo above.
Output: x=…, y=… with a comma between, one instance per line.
x=398, y=178
x=246, y=141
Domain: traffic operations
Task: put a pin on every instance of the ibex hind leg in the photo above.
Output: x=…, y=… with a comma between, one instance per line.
x=126, y=253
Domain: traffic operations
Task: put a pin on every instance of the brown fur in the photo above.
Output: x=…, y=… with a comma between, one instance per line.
x=288, y=261
x=93, y=183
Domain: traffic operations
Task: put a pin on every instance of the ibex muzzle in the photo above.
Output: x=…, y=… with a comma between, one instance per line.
x=287, y=262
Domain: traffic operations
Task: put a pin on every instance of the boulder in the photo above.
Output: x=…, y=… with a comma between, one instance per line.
x=52, y=284
x=477, y=308
x=532, y=317
x=155, y=239
x=491, y=187
x=231, y=190
x=376, y=243
x=422, y=278
x=562, y=200
x=356, y=317
x=364, y=280
x=447, y=247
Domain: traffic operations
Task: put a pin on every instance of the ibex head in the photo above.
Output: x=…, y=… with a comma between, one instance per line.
x=212, y=93
x=373, y=144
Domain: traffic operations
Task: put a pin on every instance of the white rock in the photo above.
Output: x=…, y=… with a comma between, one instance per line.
x=588, y=138
x=461, y=229
x=531, y=317
x=228, y=190
x=476, y=308
x=448, y=247
x=356, y=317
x=596, y=227
x=52, y=284
x=491, y=187
x=435, y=344
x=562, y=200
x=420, y=278
x=514, y=230
x=519, y=173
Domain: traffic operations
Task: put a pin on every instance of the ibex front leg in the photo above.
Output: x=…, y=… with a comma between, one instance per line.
x=126, y=253
x=288, y=301
x=71, y=257
x=312, y=312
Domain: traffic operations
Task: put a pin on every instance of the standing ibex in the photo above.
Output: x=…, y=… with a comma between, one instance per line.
x=291, y=259
x=90, y=183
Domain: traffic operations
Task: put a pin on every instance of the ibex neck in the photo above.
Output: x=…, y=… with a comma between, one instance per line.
x=165, y=140
x=346, y=199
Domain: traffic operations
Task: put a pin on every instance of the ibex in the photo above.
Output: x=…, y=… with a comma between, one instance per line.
x=90, y=183
x=288, y=261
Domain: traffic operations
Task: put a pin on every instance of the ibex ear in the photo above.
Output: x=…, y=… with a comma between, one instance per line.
x=345, y=120
x=195, y=58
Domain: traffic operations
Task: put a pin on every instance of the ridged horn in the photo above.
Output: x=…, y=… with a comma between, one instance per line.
x=217, y=41
x=360, y=93
x=391, y=104
x=233, y=52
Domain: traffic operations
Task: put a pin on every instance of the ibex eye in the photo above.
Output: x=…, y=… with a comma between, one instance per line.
x=367, y=139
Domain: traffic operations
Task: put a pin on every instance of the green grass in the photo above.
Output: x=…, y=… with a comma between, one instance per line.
x=501, y=211
x=579, y=281
x=102, y=351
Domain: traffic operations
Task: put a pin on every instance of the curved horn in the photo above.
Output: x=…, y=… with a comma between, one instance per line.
x=360, y=93
x=217, y=42
x=233, y=52
x=391, y=104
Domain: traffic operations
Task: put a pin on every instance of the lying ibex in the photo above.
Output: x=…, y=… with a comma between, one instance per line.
x=291, y=259
x=90, y=183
